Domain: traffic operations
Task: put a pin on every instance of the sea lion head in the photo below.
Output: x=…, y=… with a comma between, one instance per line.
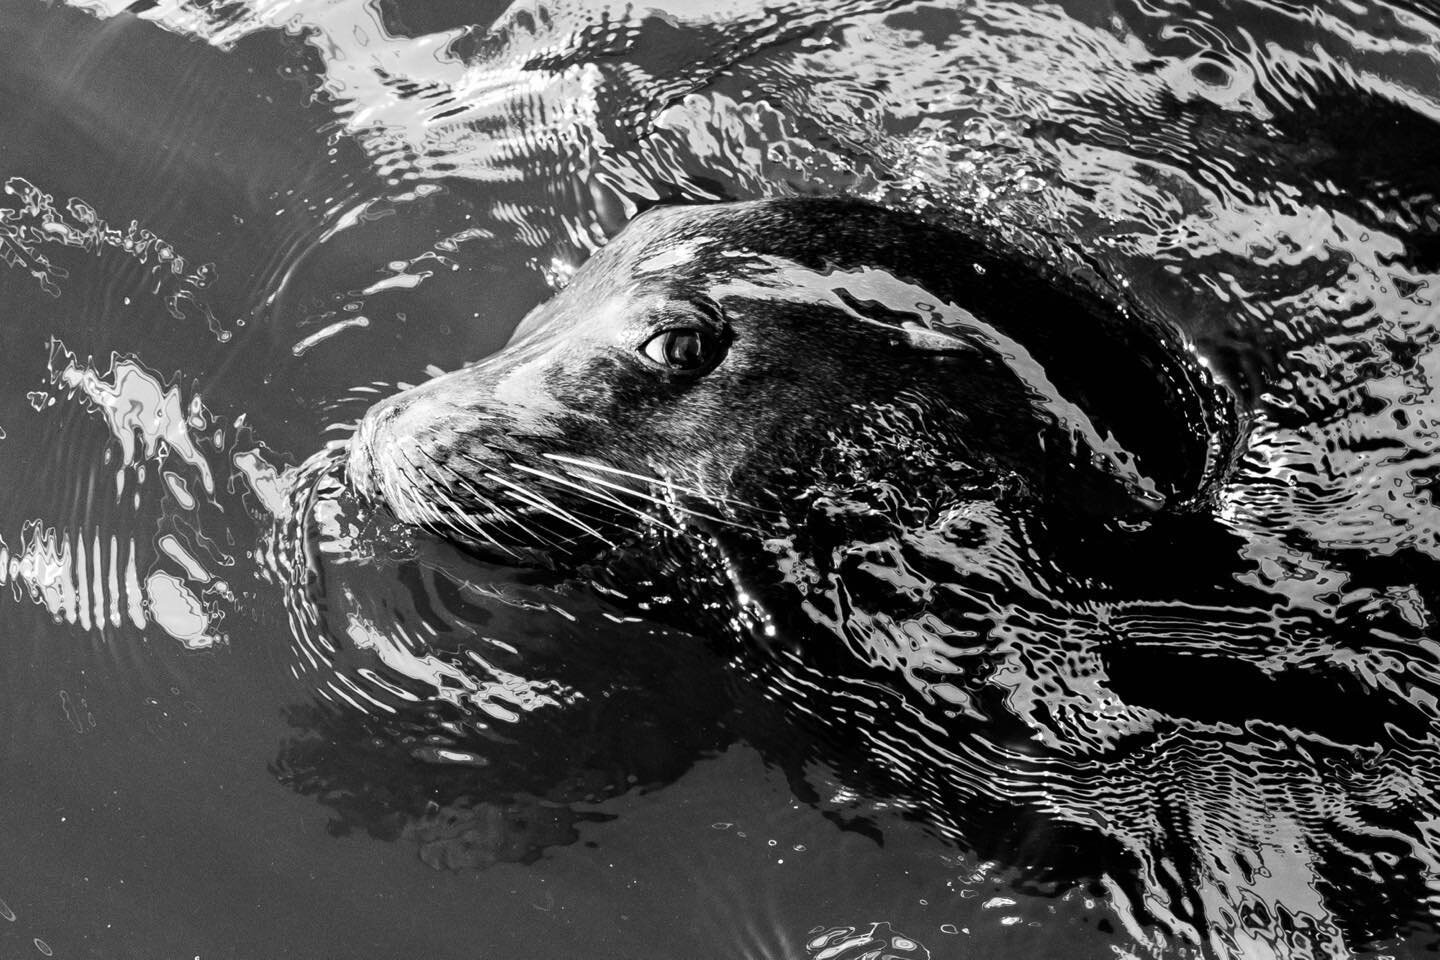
x=720, y=354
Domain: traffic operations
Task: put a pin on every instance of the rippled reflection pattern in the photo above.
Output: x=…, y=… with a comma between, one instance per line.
x=894, y=721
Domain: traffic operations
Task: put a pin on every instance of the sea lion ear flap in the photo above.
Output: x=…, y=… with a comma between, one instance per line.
x=930, y=340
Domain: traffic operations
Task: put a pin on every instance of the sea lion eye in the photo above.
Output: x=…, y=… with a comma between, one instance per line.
x=683, y=349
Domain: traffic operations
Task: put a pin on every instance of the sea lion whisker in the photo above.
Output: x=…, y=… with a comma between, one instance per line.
x=643, y=478
x=584, y=523
x=547, y=507
x=647, y=479
x=671, y=504
x=446, y=513
x=602, y=497
x=606, y=501
x=484, y=501
x=659, y=501
x=459, y=520
x=493, y=509
x=539, y=500
x=413, y=475
x=465, y=524
x=498, y=512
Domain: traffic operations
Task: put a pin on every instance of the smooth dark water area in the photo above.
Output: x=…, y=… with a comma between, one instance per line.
x=243, y=715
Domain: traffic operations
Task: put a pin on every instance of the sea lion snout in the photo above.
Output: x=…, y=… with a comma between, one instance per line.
x=420, y=451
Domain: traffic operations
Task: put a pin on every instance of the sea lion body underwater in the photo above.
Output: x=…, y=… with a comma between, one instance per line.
x=720, y=354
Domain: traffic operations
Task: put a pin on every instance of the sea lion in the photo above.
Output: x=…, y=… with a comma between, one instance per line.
x=721, y=353
x=964, y=519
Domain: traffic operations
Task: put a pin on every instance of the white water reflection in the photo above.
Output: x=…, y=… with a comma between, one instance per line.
x=88, y=584
x=144, y=415
x=103, y=575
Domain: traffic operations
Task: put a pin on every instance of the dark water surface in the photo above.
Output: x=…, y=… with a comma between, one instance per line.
x=241, y=715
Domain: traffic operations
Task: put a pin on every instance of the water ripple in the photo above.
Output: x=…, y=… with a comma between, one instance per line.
x=1222, y=726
